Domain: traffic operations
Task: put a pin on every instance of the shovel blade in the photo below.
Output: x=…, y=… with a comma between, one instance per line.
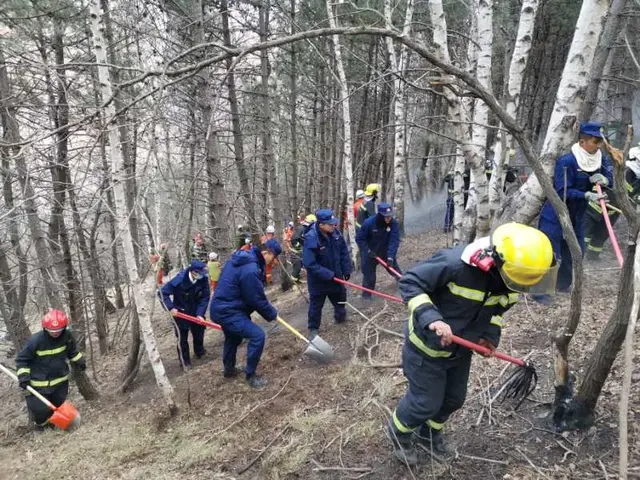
x=319, y=350
x=65, y=417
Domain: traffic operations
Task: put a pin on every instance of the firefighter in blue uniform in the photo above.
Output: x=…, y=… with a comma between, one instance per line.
x=325, y=256
x=240, y=292
x=595, y=229
x=42, y=364
x=379, y=236
x=575, y=175
x=460, y=291
x=188, y=292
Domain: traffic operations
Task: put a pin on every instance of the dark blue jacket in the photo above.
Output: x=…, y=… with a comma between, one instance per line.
x=324, y=256
x=240, y=290
x=446, y=288
x=577, y=184
x=378, y=237
x=190, y=298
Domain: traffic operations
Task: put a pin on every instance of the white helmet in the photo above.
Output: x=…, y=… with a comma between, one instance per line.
x=213, y=256
x=634, y=153
x=271, y=229
x=240, y=228
x=360, y=194
x=290, y=224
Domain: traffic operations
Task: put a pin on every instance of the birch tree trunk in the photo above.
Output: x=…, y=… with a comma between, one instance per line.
x=143, y=294
x=517, y=66
x=603, y=56
x=399, y=140
x=484, y=15
x=346, y=133
x=560, y=133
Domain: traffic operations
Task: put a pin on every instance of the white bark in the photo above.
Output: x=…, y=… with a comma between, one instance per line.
x=519, y=60
x=346, y=133
x=457, y=114
x=561, y=132
x=628, y=370
x=484, y=40
x=144, y=295
x=399, y=138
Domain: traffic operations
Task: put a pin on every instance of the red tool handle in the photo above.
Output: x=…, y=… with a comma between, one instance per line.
x=486, y=351
x=389, y=267
x=364, y=289
x=612, y=236
x=184, y=316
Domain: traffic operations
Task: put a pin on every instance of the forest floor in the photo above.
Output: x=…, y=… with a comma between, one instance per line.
x=326, y=421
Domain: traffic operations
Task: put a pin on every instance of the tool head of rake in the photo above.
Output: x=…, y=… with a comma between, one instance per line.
x=319, y=350
x=520, y=384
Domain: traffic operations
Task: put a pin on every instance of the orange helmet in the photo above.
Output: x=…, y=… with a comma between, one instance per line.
x=55, y=321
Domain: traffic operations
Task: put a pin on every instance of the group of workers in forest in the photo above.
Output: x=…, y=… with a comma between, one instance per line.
x=463, y=290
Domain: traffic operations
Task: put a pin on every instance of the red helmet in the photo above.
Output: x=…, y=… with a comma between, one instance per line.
x=55, y=320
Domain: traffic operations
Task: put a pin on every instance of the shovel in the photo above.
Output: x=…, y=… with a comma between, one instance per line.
x=317, y=348
x=64, y=417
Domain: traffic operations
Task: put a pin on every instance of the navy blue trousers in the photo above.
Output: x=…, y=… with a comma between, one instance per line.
x=448, y=215
x=182, y=332
x=316, y=302
x=553, y=230
x=235, y=330
x=38, y=411
x=437, y=388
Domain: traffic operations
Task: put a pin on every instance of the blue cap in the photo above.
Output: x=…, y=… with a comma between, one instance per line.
x=273, y=246
x=385, y=209
x=198, y=267
x=326, y=216
x=591, y=128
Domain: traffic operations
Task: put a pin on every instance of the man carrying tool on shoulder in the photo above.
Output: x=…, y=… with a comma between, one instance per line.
x=240, y=292
x=191, y=292
x=378, y=237
x=42, y=364
x=325, y=257
x=460, y=291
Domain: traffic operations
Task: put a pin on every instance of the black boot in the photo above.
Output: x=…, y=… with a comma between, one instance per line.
x=434, y=442
x=233, y=373
x=256, y=382
x=403, y=448
x=313, y=333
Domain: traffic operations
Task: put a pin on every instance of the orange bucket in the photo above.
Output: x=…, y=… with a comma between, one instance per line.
x=64, y=416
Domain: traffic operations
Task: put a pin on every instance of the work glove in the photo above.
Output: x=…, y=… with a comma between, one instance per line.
x=599, y=178
x=23, y=383
x=391, y=261
x=81, y=364
x=594, y=197
x=347, y=277
x=372, y=254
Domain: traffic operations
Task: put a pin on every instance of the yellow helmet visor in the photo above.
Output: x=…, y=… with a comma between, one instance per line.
x=524, y=279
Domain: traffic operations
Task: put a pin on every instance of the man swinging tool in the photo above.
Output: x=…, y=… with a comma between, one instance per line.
x=191, y=292
x=240, y=292
x=42, y=364
x=461, y=291
x=325, y=257
x=379, y=236
x=595, y=229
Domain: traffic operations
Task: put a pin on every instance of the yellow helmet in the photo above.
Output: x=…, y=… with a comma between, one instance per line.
x=372, y=189
x=526, y=258
x=311, y=218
